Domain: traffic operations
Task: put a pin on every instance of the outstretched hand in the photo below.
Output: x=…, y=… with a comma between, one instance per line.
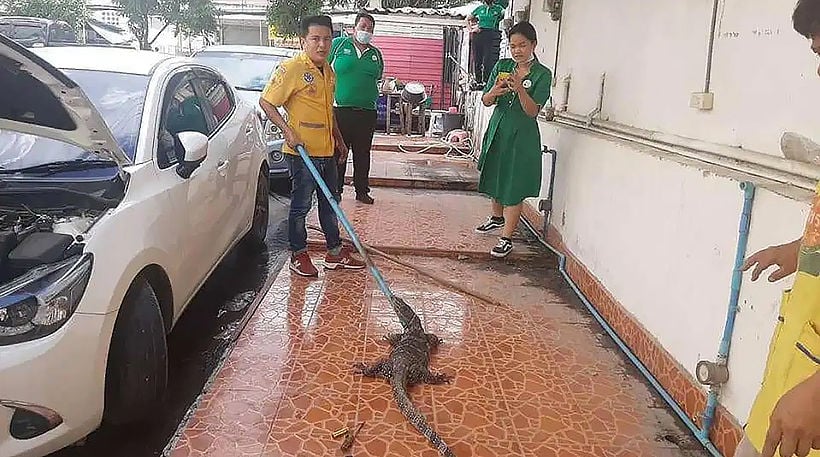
x=783, y=256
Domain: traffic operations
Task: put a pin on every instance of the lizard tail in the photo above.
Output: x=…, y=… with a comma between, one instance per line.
x=414, y=415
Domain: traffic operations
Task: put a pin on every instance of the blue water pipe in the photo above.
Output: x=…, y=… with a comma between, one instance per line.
x=345, y=222
x=715, y=374
x=562, y=262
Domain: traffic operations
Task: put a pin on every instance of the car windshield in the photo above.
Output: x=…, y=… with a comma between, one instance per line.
x=119, y=98
x=243, y=70
x=26, y=34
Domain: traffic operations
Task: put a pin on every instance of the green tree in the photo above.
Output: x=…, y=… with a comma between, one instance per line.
x=189, y=17
x=70, y=11
x=286, y=15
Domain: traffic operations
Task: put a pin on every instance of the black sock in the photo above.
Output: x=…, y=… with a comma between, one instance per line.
x=497, y=218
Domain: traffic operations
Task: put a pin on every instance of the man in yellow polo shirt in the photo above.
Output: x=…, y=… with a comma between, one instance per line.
x=786, y=412
x=304, y=86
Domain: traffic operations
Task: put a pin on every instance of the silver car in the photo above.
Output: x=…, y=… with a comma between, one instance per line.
x=248, y=69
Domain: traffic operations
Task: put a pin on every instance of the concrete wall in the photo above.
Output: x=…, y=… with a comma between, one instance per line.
x=658, y=232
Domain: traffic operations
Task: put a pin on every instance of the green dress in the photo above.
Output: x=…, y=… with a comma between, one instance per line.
x=510, y=161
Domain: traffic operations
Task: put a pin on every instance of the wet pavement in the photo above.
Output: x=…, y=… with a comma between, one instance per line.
x=416, y=144
x=535, y=376
x=419, y=171
x=197, y=343
x=422, y=221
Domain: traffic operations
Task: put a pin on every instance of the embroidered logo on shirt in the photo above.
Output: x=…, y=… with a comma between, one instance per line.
x=375, y=58
x=309, y=77
x=347, y=51
x=527, y=84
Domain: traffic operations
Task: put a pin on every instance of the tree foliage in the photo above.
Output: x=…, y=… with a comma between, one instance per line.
x=189, y=17
x=70, y=11
x=285, y=16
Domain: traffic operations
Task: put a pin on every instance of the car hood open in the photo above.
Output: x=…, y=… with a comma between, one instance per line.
x=40, y=100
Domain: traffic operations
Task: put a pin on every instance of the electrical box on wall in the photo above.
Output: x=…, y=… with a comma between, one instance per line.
x=703, y=101
x=553, y=7
x=522, y=14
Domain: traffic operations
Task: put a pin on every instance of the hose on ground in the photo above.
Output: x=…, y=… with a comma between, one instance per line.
x=454, y=151
x=422, y=271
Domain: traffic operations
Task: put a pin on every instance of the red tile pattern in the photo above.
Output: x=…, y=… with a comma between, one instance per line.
x=416, y=221
x=726, y=432
x=531, y=378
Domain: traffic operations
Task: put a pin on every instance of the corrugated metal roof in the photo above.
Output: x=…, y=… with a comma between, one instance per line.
x=435, y=12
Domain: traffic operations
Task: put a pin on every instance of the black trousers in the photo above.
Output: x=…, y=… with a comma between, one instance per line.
x=486, y=51
x=357, y=127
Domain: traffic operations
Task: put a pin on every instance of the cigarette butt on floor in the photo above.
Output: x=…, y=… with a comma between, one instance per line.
x=339, y=433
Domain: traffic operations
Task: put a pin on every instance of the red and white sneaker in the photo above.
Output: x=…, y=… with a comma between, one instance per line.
x=302, y=265
x=343, y=261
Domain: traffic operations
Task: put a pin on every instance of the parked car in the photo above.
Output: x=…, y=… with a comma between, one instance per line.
x=249, y=68
x=125, y=178
x=37, y=32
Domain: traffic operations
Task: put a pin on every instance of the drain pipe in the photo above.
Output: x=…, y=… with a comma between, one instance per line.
x=715, y=374
x=545, y=206
x=711, y=50
x=562, y=264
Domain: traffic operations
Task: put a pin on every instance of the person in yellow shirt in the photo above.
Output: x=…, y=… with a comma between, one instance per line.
x=304, y=86
x=786, y=411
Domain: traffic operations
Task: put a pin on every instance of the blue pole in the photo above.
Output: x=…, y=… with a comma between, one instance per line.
x=734, y=297
x=345, y=222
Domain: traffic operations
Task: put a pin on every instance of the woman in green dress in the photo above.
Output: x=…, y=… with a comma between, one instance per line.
x=510, y=162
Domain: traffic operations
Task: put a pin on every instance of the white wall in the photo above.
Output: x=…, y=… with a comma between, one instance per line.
x=655, y=53
x=660, y=234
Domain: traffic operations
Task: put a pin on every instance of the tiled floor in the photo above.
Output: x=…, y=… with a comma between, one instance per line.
x=396, y=169
x=532, y=377
x=421, y=221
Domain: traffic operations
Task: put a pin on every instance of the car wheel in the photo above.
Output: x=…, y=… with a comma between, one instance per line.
x=137, y=370
x=259, y=228
x=280, y=185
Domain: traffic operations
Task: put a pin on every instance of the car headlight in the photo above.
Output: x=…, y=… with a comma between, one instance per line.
x=272, y=132
x=38, y=303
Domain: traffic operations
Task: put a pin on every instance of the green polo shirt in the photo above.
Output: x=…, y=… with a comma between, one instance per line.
x=489, y=16
x=357, y=78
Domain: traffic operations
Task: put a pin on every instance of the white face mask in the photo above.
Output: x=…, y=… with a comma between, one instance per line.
x=363, y=37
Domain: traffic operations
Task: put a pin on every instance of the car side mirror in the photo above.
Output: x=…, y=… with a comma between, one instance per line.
x=195, y=150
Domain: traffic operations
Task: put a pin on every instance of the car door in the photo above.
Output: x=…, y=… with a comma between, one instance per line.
x=196, y=199
x=234, y=134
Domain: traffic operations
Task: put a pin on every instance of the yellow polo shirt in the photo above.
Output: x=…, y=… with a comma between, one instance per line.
x=794, y=354
x=307, y=96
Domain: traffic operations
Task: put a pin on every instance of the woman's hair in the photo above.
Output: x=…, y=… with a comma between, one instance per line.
x=806, y=17
x=525, y=29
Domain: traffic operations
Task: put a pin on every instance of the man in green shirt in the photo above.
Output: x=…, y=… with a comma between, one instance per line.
x=485, y=20
x=359, y=66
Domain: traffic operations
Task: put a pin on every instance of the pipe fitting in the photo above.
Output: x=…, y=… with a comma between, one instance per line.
x=712, y=373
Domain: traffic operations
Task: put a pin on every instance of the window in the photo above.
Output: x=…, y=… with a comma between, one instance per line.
x=218, y=97
x=182, y=112
x=62, y=33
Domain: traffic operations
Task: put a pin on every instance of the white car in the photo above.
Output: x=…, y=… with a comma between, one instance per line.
x=125, y=178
